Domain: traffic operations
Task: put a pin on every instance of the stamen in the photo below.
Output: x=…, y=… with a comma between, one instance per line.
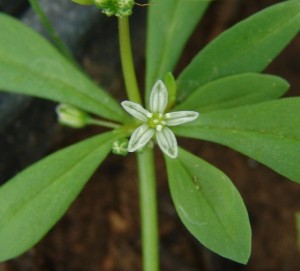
x=149, y=115
x=159, y=128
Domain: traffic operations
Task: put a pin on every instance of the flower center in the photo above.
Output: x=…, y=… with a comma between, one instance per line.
x=157, y=121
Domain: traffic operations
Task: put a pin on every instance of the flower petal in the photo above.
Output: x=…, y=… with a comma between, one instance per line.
x=140, y=137
x=167, y=142
x=180, y=117
x=136, y=110
x=158, y=97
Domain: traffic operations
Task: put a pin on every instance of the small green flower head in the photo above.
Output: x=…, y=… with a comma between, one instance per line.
x=84, y=2
x=119, y=8
x=71, y=116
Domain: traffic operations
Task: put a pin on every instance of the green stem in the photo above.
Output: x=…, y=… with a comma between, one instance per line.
x=103, y=123
x=50, y=30
x=127, y=61
x=148, y=205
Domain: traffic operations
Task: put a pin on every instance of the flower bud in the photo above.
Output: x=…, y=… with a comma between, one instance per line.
x=120, y=147
x=71, y=116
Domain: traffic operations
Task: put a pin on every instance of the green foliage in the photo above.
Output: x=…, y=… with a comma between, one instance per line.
x=170, y=23
x=210, y=206
x=84, y=2
x=30, y=65
x=236, y=105
x=33, y=201
x=234, y=91
x=249, y=46
x=268, y=132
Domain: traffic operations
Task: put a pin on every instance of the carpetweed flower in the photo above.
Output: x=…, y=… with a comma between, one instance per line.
x=155, y=121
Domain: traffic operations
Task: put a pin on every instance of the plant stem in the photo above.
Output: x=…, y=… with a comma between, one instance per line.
x=127, y=61
x=103, y=123
x=50, y=30
x=148, y=205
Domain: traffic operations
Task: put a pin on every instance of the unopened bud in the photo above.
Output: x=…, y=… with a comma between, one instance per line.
x=120, y=147
x=71, y=116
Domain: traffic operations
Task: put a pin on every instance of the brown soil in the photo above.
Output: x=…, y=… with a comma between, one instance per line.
x=101, y=229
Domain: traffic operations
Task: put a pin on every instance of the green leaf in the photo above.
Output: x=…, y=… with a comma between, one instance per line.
x=33, y=201
x=170, y=23
x=30, y=65
x=210, y=206
x=234, y=91
x=268, y=132
x=249, y=46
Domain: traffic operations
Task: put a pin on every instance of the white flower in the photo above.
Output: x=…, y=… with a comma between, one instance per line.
x=156, y=121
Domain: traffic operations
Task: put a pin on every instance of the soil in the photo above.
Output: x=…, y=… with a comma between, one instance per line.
x=101, y=229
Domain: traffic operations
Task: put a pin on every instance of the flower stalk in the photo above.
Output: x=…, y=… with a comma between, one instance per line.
x=127, y=61
x=145, y=160
x=148, y=210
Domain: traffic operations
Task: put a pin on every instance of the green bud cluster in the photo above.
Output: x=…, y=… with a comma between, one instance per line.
x=119, y=147
x=119, y=8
